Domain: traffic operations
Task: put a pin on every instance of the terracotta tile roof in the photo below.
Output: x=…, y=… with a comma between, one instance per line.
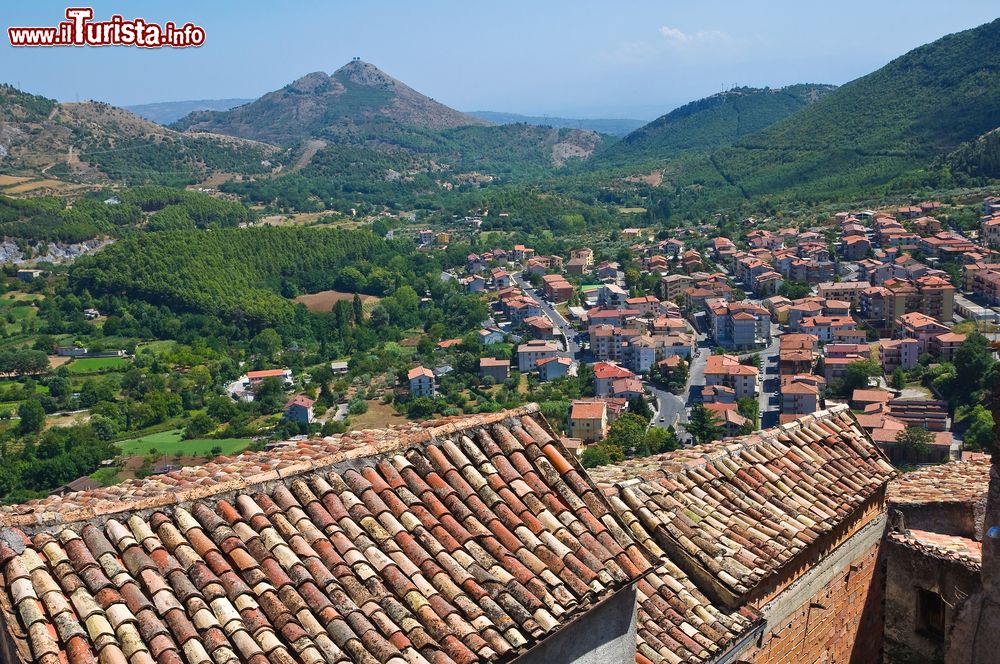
x=734, y=513
x=416, y=372
x=676, y=623
x=959, y=482
x=266, y=373
x=587, y=410
x=300, y=400
x=604, y=370
x=467, y=541
x=955, y=548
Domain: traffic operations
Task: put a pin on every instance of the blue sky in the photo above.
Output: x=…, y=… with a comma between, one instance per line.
x=581, y=59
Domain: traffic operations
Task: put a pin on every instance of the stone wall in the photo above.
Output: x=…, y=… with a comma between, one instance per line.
x=907, y=572
x=833, y=613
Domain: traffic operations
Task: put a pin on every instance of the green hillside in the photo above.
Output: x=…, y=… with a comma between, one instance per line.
x=713, y=122
x=976, y=162
x=886, y=126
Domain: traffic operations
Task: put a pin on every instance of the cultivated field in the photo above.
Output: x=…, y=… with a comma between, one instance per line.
x=324, y=300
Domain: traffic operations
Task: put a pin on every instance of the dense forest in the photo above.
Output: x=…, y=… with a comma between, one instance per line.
x=239, y=274
x=52, y=219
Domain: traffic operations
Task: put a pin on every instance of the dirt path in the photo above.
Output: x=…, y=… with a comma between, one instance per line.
x=310, y=149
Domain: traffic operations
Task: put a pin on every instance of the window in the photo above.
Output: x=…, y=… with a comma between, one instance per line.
x=930, y=614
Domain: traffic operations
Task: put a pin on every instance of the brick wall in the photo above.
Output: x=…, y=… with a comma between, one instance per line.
x=831, y=615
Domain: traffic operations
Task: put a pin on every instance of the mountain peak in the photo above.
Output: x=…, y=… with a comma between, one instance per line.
x=315, y=82
x=364, y=73
x=355, y=98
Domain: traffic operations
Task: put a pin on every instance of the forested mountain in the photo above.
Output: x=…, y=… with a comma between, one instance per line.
x=976, y=161
x=355, y=99
x=165, y=112
x=713, y=122
x=96, y=141
x=877, y=133
x=98, y=214
x=612, y=126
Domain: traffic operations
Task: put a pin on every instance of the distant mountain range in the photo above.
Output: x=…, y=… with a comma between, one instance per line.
x=166, y=112
x=611, y=126
x=926, y=119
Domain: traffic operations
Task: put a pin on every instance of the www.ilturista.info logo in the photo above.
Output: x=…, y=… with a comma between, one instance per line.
x=81, y=30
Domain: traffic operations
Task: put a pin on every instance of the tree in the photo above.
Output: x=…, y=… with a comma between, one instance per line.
x=628, y=433
x=601, y=455
x=973, y=362
x=266, y=344
x=898, y=378
x=32, y=416
x=270, y=395
x=199, y=425
x=794, y=290
x=662, y=440
x=916, y=440
x=703, y=425
x=979, y=429
x=749, y=408
x=857, y=375
x=359, y=316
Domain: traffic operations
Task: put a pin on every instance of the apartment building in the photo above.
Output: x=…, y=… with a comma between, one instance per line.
x=726, y=370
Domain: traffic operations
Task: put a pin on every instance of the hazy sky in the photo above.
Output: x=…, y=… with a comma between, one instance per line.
x=581, y=58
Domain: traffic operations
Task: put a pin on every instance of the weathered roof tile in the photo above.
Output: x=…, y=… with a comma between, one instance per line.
x=402, y=545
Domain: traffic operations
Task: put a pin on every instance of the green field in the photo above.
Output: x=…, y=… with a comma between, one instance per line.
x=86, y=365
x=170, y=442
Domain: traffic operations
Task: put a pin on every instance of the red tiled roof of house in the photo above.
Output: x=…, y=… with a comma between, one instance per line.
x=728, y=365
x=471, y=540
x=704, y=505
x=959, y=481
x=623, y=385
x=604, y=370
x=587, y=410
x=879, y=396
x=300, y=400
x=799, y=388
x=419, y=371
x=955, y=548
x=266, y=373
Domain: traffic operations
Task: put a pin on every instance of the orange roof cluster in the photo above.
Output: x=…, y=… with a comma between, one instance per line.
x=733, y=513
x=728, y=365
x=471, y=540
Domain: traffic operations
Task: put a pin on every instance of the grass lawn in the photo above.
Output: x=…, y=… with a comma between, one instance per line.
x=170, y=442
x=157, y=346
x=86, y=365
